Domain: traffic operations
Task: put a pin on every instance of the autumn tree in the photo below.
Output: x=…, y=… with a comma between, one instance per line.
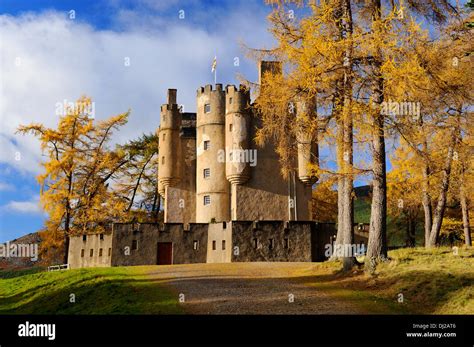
x=78, y=170
x=137, y=180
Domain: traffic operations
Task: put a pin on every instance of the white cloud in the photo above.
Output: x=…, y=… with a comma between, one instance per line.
x=6, y=187
x=47, y=58
x=24, y=207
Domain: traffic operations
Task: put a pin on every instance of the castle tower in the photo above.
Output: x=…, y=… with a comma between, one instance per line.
x=169, y=144
x=212, y=187
x=308, y=150
x=237, y=127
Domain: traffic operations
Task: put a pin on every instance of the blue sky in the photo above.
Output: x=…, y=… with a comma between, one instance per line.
x=49, y=55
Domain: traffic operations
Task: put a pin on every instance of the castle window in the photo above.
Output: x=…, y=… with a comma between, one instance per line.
x=223, y=245
x=92, y=252
x=195, y=245
x=164, y=118
x=224, y=225
x=84, y=237
x=207, y=145
x=134, y=245
x=207, y=173
x=101, y=236
x=207, y=199
x=110, y=252
x=214, y=245
x=207, y=108
x=286, y=243
x=82, y=253
x=164, y=137
x=255, y=243
x=230, y=100
x=270, y=244
x=163, y=160
x=100, y=252
x=231, y=127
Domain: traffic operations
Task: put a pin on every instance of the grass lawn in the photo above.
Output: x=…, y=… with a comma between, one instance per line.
x=118, y=290
x=431, y=281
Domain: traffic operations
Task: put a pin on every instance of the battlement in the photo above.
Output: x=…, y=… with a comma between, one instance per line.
x=208, y=89
x=231, y=89
x=168, y=107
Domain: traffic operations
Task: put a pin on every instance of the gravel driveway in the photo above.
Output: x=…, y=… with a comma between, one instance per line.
x=249, y=288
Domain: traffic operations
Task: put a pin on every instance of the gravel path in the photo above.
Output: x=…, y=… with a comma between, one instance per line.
x=249, y=288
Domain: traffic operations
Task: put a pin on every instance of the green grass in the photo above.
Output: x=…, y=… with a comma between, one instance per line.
x=117, y=290
x=431, y=281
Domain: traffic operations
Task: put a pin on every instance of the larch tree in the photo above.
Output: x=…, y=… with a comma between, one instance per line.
x=137, y=181
x=316, y=53
x=78, y=170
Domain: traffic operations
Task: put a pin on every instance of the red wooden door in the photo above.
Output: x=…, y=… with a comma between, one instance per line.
x=165, y=253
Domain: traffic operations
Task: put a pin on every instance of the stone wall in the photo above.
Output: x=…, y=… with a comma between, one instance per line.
x=93, y=250
x=237, y=241
x=147, y=237
x=219, y=243
x=271, y=241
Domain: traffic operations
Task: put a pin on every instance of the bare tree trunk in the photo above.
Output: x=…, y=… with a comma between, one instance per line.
x=348, y=200
x=410, y=229
x=465, y=210
x=441, y=205
x=426, y=202
x=377, y=243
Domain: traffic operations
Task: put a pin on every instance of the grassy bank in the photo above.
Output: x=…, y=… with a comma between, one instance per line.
x=125, y=290
x=431, y=281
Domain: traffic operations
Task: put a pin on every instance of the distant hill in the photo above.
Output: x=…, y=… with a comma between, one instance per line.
x=363, y=191
x=362, y=204
x=19, y=263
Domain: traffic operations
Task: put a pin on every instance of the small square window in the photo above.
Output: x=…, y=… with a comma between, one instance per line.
x=207, y=145
x=101, y=236
x=207, y=108
x=84, y=237
x=92, y=252
x=207, y=173
x=82, y=253
x=207, y=199
x=214, y=245
x=224, y=225
x=223, y=245
x=134, y=245
x=100, y=252
x=230, y=100
x=195, y=245
x=231, y=127
x=110, y=252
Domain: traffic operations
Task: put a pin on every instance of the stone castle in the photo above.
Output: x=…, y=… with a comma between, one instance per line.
x=224, y=196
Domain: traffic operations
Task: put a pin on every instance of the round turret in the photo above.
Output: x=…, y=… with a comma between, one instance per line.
x=168, y=164
x=308, y=150
x=237, y=127
x=212, y=188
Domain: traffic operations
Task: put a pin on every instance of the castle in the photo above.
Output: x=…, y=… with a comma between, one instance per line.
x=224, y=196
